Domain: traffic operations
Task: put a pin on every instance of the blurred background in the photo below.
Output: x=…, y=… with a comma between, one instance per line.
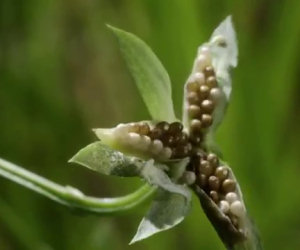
x=61, y=74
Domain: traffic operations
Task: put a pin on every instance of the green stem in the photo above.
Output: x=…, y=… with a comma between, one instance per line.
x=72, y=197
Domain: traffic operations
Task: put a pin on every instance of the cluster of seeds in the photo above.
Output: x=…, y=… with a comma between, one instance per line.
x=216, y=180
x=163, y=140
x=202, y=93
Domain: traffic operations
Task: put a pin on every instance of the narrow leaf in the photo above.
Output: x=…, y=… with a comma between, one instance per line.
x=149, y=74
x=167, y=210
x=105, y=160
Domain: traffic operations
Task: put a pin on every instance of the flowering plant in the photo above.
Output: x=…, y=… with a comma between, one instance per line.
x=173, y=156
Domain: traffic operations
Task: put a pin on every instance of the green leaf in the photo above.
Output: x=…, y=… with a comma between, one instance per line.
x=167, y=210
x=154, y=174
x=149, y=74
x=105, y=160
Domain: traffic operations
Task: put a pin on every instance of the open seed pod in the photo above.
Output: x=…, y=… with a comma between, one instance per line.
x=208, y=88
x=161, y=141
x=221, y=199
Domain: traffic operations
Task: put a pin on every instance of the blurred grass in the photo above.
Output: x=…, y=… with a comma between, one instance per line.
x=61, y=74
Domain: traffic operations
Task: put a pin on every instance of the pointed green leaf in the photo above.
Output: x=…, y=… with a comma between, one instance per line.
x=149, y=74
x=105, y=160
x=167, y=210
x=154, y=174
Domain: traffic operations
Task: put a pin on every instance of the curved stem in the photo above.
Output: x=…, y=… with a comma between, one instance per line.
x=72, y=197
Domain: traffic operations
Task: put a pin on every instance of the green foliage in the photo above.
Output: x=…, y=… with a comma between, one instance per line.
x=59, y=77
x=149, y=74
x=105, y=160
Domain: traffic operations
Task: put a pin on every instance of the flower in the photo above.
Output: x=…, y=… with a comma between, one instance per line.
x=174, y=155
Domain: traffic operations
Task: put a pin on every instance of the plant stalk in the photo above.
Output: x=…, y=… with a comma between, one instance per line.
x=72, y=197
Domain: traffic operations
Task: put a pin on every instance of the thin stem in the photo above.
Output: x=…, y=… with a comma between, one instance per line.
x=72, y=197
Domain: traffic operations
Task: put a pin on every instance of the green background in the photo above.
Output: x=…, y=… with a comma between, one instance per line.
x=61, y=74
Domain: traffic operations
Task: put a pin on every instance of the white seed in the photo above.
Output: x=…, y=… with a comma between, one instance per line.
x=156, y=146
x=167, y=152
x=231, y=197
x=201, y=62
x=189, y=177
x=224, y=206
x=237, y=208
x=204, y=50
x=199, y=78
x=215, y=94
x=145, y=142
x=134, y=138
x=121, y=125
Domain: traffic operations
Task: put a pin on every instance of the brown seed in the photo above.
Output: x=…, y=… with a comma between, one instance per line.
x=164, y=126
x=155, y=133
x=167, y=140
x=209, y=71
x=195, y=125
x=214, y=195
x=144, y=129
x=180, y=151
x=202, y=180
x=215, y=94
x=193, y=98
x=204, y=91
x=207, y=106
x=213, y=159
x=175, y=127
x=221, y=172
x=199, y=78
x=213, y=182
x=206, y=120
x=205, y=168
x=196, y=139
x=194, y=111
x=228, y=185
x=134, y=127
x=211, y=82
x=181, y=138
x=192, y=86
